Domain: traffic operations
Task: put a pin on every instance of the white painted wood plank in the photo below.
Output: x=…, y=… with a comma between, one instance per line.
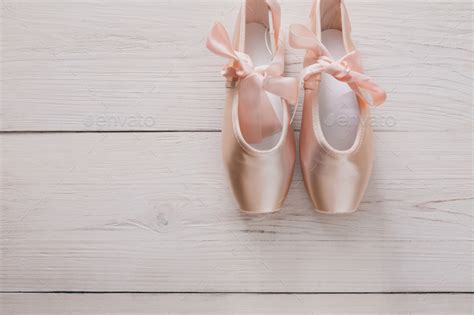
x=241, y=265
x=454, y=304
x=123, y=65
x=421, y=187
x=152, y=212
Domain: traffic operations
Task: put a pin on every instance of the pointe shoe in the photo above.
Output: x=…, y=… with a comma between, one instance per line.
x=336, y=140
x=258, y=143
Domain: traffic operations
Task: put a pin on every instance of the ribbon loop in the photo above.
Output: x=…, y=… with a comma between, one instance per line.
x=347, y=69
x=254, y=103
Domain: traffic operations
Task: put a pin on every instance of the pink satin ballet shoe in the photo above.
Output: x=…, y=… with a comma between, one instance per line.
x=336, y=141
x=258, y=142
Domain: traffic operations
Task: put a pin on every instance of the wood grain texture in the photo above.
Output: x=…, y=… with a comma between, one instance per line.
x=454, y=304
x=152, y=212
x=121, y=65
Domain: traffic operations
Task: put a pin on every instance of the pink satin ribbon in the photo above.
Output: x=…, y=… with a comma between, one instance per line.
x=256, y=112
x=347, y=69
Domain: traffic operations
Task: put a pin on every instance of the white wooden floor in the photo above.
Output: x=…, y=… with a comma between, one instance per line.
x=112, y=191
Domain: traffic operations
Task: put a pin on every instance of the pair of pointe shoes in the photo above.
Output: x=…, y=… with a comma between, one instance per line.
x=336, y=145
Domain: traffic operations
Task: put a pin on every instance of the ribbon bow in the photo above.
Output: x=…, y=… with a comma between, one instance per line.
x=256, y=112
x=347, y=69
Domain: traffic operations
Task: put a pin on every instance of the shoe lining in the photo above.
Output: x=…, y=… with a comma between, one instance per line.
x=257, y=39
x=338, y=105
